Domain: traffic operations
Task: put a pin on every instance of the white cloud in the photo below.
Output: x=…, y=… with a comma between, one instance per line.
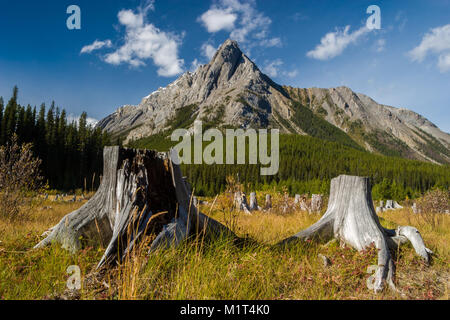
x=437, y=41
x=194, y=65
x=272, y=68
x=216, y=19
x=444, y=62
x=401, y=19
x=143, y=41
x=73, y=118
x=334, y=43
x=291, y=74
x=241, y=19
x=380, y=45
x=208, y=50
x=274, y=42
x=96, y=45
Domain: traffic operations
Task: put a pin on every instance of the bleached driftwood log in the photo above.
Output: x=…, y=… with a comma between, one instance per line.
x=351, y=218
x=142, y=192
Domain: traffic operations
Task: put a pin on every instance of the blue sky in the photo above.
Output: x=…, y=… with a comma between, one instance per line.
x=127, y=49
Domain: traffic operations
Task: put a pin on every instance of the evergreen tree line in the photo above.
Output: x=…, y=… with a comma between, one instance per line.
x=71, y=152
x=308, y=164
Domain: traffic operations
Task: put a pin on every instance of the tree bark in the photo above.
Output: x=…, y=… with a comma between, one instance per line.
x=142, y=192
x=351, y=218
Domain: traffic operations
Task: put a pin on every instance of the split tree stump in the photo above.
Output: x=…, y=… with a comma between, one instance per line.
x=142, y=191
x=351, y=218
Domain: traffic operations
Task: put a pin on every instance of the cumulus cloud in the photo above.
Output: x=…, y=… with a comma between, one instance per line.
x=241, y=19
x=208, y=50
x=334, y=43
x=194, y=65
x=273, y=69
x=216, y=19
x=96, y=45
x=143, y=41
x=73, y=118
x=437, y=42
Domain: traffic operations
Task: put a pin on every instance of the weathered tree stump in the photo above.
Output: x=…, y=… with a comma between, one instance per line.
x=141, y=191
x=297, y=200
x=254, y=202
x=241, y=203
x=316, y=203
x=351, y=218
x=389, y=204
x=286, y=205
x=268, y=203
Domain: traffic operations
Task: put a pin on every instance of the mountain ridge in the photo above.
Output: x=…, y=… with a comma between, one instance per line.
x=231, y=91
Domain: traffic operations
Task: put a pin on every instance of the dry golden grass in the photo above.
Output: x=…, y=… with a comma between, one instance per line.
x=217, y=269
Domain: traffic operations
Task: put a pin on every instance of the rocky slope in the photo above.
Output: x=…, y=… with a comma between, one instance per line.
x=232, y=91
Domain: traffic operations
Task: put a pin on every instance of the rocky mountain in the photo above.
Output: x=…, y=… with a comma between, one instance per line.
x=231, y=91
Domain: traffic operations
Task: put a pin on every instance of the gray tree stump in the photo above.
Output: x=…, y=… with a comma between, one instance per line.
x=297, y=200
x=397, y=205
x=241, y=203
x=142, y=192
x=389, y=204
x=316, y=203
x=268, y=203
x=254, y=202
x=351, y=218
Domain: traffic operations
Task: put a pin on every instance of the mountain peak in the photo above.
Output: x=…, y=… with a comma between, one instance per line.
x=231, y=91
x=230, y=46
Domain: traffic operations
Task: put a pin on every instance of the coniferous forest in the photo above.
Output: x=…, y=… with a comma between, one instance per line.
x=71, y=152
x=308, y=164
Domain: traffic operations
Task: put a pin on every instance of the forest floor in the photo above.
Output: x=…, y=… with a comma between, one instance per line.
x=219, y=270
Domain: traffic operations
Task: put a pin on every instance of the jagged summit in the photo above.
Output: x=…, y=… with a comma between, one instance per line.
x=231, y=91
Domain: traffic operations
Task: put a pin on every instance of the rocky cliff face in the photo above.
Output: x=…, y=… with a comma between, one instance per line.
x=232, y=91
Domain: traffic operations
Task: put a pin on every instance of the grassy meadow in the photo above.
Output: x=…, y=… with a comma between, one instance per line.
x=217, y=269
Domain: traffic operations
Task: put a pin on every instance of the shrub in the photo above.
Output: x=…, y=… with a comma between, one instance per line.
x=19, y=177
x=435, y=201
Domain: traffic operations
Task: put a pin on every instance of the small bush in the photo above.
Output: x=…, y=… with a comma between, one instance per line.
x=19, y=178
x=435, y=201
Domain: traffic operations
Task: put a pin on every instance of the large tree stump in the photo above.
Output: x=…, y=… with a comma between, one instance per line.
x=351, y=218
x=141, y=191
